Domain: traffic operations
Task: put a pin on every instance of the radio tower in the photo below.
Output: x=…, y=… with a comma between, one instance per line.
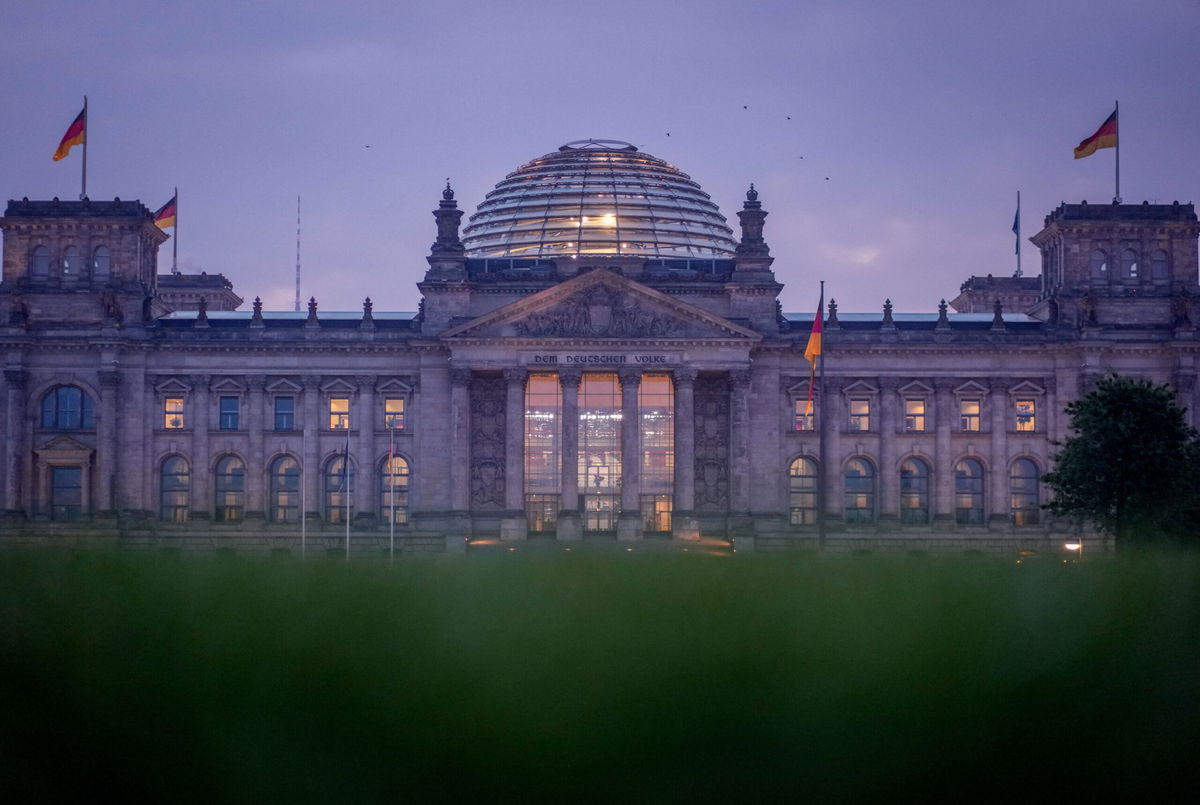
x=297, y=254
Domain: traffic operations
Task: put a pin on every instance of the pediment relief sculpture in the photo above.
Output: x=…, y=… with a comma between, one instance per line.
x=602, y=312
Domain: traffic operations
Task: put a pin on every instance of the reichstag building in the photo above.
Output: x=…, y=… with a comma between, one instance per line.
x=598, y=356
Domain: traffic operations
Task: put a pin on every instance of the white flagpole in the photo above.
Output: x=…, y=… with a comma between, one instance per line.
x=1117, y=115
x=86, y=136
x=303, y=502
x=392, y=492
x=346, y=488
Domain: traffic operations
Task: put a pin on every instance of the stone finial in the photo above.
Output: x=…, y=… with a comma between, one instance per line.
x=943, y=320
x=887, y=312
x=752, y=217
x=997, y=316
x=831, y=322
x=202, y=317
x=448, y=217
x=367, y=309
x=256, y=319
x=752, y=194
x=448, y=193
x=312, y=312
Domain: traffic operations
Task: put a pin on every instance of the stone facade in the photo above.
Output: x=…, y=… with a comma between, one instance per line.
x=210, y=428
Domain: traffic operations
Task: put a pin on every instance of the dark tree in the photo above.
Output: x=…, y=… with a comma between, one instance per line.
x=1130, y=465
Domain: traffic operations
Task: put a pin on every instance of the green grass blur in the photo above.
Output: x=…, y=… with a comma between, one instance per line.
x=596, y=677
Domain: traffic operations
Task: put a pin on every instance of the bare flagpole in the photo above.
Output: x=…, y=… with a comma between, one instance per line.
x=174, y=236
x=819, y=411
x=392, y=492
x=346, y=488
x=303, y=501
x=86, y=137
x=1017, y=232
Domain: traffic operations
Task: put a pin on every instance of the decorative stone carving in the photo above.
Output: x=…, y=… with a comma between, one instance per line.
x=684, y=375
x=460, y=377
x=570, y=377
x=110, y=378
x=600, y=312
x=516, y=373
x=712, y=444
x=16, y=378
x=487, y=443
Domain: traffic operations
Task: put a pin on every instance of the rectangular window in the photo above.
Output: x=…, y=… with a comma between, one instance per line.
x=802, y=418
x=914, y=416
x=656, y=409
x=860, y=414
x=173, y=413
x=393, y=413
x=656, y=513
x=228, y=413
x=968, y=411
x=285, y=413
x=339, y=413
x=1026, y=415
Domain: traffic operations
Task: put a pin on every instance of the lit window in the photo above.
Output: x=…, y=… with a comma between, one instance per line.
x=859, y=480
x=914, y=492
x=803, y=417
x=968, y=492
x=339, y=481
x=914, y=415
x=1026, y=415
x=339, y=413
x=173, y=490
x=285, y=413
x=802, y=491
x=393, y=413
x=968, y=411
x=173, y=413
x=393, y=490
x=228, y=413
x=284, y=505
x=230, y=490
x=860, y=414
x=1023, y=492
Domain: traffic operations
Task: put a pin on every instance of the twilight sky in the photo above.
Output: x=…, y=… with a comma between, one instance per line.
x=926, y=117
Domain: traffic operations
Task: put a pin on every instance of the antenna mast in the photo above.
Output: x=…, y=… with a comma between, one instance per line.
x=297, y=254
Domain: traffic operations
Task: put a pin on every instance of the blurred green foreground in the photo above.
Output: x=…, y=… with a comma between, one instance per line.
x=596, y=677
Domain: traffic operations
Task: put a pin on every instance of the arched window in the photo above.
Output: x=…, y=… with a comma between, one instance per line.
x=40, y=268
x=802, y=491
x=968, y=492
x=284, y=506
x=914, y=492
x=1129, y=264
x=100, y=262
x=1023, y=492
x=173, y=490
x=860, y=492
x=1159, y=270
x=230, y=490
x=67, y=408
x=339, y=485
x=1099, y=265
x=393, y=490
x=70, y=266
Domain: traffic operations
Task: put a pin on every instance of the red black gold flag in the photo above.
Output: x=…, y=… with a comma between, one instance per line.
x=1105, y=137
x=76, y=134
x=165, y=216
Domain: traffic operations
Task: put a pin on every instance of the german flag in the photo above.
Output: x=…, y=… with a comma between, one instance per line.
x=1105, y=137
x=76, y=134
x=165, y=216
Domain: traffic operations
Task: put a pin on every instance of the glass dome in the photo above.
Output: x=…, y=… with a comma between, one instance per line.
x=598, y=197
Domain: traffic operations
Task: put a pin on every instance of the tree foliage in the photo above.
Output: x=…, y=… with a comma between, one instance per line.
x=1130, y=464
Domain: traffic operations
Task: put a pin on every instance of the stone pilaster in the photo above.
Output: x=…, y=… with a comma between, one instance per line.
x=107, y=459
x=684, y=524
x=629, y=524
x=365, y=477
x=570, y=527
x=739, y=455
x=311, y=486
x=831, y=419
x=460, y=441
x=514, y=525
x=16, y=448
x=891, y=427
x=257, y=469
x=996, y=496
x=197, y=411
x=942, y=486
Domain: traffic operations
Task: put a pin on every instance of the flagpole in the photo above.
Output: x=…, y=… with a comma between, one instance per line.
x=1018, y=227
x=86, y=137
x=175, y=237
x=819, y=413
x=346, y=488
x=303, y=502
x=1117, y=115
x=392, y=492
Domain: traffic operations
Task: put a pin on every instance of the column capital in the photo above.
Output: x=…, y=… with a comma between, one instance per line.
x=684, y=374
x=739, y=377
x=110, y=378
x=256, y=382
x=570, y=377
x=460, y=376
x=889, y=384
x=200, y=382
x=365, y=382
x=998, y=384
x=630, y=377
x=516, y=374
x=945, y=384
x=16, y=378
x=311, y=382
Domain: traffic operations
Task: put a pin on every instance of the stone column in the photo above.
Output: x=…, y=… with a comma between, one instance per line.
x=570, y=527
x=942, y=483
x=460, y=442
x=890, y=430
x=684, y=523
x=312, y=449
x=996, y=492
x=514, y=525
x=202, y=495
x=107, y=458
x=138, y=415
x=629, y=524
x=365, y=479
x=15, y=447
x=739, y=441
x=831, y=415
x=257, y=470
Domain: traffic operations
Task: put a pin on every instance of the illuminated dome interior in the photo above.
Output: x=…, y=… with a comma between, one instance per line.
x=598, y=197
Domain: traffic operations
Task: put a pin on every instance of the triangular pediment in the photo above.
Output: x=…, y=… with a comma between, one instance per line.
x=601, y=305
x=63, y=446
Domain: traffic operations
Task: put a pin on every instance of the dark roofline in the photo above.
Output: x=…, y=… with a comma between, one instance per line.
x=56, y=208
